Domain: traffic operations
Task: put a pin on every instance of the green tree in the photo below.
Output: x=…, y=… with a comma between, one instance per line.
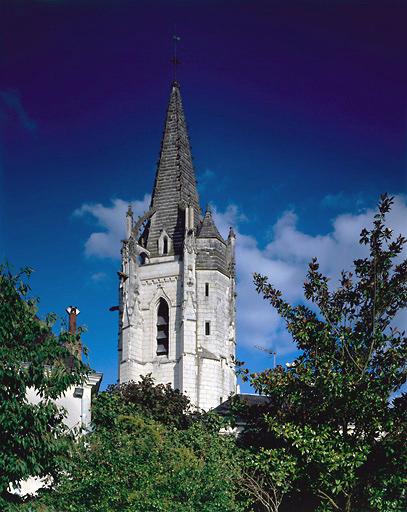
x=160, y=402
x=332, y=409
x=267, y=476
x=134, y=463
x=33, y=438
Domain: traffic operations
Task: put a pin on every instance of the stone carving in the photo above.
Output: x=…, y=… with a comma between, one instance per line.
x=190, y=244
x=189, y=307
x=190, y=280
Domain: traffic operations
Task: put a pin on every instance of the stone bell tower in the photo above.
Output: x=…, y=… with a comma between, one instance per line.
x=177, y=282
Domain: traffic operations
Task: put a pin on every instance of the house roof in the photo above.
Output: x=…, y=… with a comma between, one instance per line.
x=248, y=399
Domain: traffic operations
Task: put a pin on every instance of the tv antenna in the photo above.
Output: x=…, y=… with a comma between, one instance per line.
x=269, y=352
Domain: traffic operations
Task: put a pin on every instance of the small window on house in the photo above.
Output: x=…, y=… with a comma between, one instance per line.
x=206, y=289
x=207, y=328
x=162, y=328
x=165, y=245
x=78, y=393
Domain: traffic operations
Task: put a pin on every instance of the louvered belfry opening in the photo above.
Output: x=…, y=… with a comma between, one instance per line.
x=162, y=328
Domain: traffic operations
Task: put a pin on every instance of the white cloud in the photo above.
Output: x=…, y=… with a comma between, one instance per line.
x=230, y=217
x=112, y=219
x=98, y=277
x=285, y=259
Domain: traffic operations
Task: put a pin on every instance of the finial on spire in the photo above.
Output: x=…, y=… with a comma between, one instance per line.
x=175, y=61
x=129, y=211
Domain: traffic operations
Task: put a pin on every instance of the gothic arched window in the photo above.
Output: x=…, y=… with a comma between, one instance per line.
x=162, y=328
x=165, y=245
x=142, y=258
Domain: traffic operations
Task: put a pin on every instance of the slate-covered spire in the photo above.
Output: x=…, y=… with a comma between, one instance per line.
x=208, y=228
x=175, y=183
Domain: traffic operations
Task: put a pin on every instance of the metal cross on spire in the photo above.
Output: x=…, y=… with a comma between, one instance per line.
x=175, y=60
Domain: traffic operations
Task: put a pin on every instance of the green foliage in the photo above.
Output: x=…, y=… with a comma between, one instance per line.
x=32, y=436
x=132, y=463
x=266, y=476
x=331, y=409
x=160, y=402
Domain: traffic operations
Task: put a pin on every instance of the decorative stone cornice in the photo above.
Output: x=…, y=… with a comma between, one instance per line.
x=159, y=280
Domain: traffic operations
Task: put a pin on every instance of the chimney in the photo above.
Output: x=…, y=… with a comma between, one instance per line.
x=73, y=312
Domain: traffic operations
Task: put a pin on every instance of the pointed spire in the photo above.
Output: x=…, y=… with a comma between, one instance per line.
x=175, y=183
x=208, y=228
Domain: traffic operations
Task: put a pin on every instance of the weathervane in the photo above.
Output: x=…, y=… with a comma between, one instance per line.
x=175, y=61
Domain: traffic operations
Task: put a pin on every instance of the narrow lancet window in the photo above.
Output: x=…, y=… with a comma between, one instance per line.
x=142, y=258
x=162, y=328
x=207, y=328
x=164, y=244
x=206, y=289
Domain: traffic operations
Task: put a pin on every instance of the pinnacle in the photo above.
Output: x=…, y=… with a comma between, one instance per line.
x=208, y=228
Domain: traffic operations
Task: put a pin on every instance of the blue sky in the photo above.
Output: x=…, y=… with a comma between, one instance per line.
x=297, y=118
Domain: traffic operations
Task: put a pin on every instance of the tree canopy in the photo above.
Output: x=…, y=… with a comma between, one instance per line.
x=142, y=456
x=33, y=437
x=158, y=401
x=333, y=410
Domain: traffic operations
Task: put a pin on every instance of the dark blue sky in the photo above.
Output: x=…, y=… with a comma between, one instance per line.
x=291, y=105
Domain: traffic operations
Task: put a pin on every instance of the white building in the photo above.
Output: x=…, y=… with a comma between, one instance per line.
x=76, y=402
x=177, y=282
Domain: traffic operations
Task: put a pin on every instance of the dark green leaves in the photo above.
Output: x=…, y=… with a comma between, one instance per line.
x=134, y=463
x=332, y=409
x=32, y=358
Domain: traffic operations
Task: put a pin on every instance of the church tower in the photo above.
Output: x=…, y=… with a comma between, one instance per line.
x=177, y=282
